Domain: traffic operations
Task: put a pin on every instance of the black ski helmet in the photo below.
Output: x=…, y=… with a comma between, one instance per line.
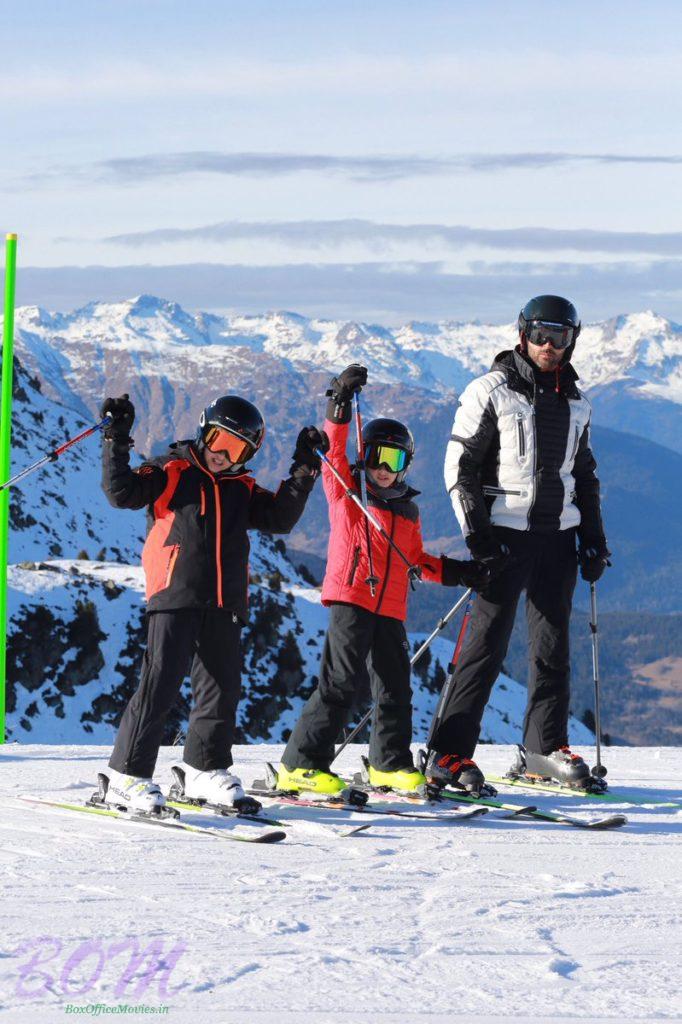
x=389, y=432
x=235, y=414
x=550, y=309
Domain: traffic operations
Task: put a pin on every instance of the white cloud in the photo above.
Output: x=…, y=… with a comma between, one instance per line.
x=373, y=76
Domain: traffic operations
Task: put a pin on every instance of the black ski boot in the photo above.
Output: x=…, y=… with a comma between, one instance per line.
x=560, y=766
x=457, y=772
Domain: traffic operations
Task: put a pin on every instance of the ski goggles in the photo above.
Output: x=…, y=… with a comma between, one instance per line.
x=559, y=336
x=222, y=441
x=395, y=459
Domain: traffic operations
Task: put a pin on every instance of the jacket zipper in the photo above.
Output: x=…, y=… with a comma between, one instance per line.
x=576, y=442
x=534, y=483
x=502, y=490
x=218, y=531
x=202, y=500
x=388, y=566
x=218, y=543
x=354, y=566
x=520, y=435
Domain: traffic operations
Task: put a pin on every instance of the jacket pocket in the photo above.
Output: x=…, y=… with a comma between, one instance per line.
x=502, y=490
x=202, y=500
x=520, y=436
x=576, y=442
x=354, y=566
x=174, y=552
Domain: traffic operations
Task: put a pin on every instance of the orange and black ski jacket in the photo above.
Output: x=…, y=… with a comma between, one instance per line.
x=197, y=550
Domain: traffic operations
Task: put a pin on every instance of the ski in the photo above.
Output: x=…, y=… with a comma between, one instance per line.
x=432, y=800
x=547, y=786
x=613, y=821
x=292, y=797
x=157, y=821
x=424, y=795
x=220, y=810
x=230, y=812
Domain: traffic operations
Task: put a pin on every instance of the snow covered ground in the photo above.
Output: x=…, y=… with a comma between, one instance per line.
x=411, y=921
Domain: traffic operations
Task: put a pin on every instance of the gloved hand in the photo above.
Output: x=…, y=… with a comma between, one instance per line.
x=493, y=555
x=593, y=561
x=471, y=573
x=304, y=456
x=122, y=413
x=350, y=381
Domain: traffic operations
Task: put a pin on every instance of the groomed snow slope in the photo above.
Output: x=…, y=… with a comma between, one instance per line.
x=487, y=921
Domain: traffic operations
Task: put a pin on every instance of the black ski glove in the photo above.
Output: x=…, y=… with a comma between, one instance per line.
x=350, y=381
x=305, y=461
x=472, y=574
x=491, y=553
x=122, y=413
x=593, y=561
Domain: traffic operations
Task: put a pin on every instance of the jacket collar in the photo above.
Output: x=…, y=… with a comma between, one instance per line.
x=521, y=378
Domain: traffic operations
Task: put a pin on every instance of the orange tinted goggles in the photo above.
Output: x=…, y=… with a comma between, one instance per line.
x=236, y=448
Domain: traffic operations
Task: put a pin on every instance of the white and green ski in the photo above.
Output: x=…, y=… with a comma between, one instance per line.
x=171, y=822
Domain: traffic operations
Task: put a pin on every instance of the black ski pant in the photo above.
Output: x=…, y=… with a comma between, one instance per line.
x=545, y=566
x=358, y=640
x=205, y=644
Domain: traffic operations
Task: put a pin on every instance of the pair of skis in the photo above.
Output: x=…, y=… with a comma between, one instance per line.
x=359, y=788
x=353, y=798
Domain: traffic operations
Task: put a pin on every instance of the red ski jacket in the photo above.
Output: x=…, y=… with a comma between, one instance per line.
x=347, y=562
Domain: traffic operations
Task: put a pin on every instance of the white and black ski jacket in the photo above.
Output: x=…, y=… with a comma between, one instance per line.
x=519, y=455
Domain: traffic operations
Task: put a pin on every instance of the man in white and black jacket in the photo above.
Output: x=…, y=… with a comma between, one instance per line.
x=521, y=475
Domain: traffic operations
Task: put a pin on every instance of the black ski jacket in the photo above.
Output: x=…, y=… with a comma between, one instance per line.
x=197, y=549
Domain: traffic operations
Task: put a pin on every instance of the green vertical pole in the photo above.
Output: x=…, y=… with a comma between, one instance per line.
x=5, y=442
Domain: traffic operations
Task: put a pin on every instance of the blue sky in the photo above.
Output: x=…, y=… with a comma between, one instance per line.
x=382, y=160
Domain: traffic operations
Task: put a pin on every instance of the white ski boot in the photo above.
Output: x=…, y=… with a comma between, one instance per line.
x=216, y=785
x=137, y=795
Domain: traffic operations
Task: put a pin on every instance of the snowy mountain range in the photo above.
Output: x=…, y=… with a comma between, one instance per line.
x=170, y=360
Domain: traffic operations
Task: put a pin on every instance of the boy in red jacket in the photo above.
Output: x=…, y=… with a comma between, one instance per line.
x=366, y=623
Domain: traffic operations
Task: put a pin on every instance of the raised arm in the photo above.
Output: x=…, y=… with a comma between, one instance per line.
x=279, y=512
x=339, y=412
x=123, y=486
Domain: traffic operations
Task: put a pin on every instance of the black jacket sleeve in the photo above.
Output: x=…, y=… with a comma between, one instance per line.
x=591, y=529
x=124, y=487
x=279, y=512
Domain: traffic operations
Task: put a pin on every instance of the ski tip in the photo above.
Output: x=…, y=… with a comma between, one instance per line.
x=267, y=837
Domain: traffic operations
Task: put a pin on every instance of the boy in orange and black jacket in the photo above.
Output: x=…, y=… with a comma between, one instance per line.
x=201, y=500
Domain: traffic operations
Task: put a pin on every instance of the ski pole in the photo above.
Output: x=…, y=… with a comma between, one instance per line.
x=55, y=453
x=371, y=580
x=599, y=770
x=449, y=682
x=413, y=571
x=442, y=623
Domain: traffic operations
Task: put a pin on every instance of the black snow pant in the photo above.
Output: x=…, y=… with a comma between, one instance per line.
x=205, y=643
x=358, y=640
x=545, y=566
